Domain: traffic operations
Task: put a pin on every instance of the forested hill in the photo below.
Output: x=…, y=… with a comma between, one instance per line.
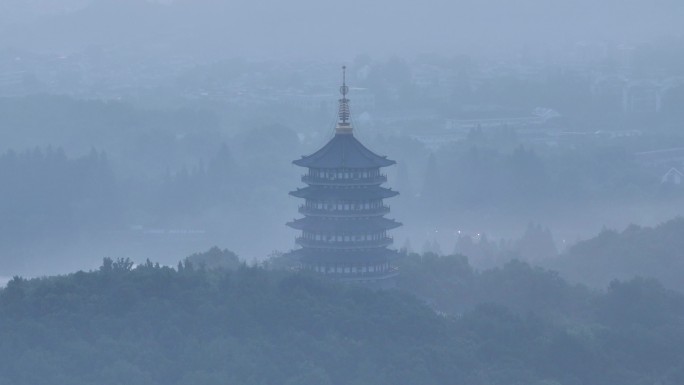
x=654, y=252
x=157, y=325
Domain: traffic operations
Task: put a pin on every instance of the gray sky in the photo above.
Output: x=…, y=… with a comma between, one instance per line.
x=334, y=29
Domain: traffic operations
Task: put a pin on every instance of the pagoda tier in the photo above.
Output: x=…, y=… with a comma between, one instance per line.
x=348, y=192
x=344, y=232
x=344, y=151
x=319, y=177
x=340, y=242
x=345, y=256
x=354, y=225
x=342, y=209
x=349, y=264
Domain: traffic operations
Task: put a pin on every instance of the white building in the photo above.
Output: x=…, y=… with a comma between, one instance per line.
x=673, y=177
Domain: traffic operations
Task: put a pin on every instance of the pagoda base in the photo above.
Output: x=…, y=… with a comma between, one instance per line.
x=382, y=282
x=387, y=274
x=366, y=266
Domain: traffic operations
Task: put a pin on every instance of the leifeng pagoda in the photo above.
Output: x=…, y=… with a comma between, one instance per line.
x=344, y=229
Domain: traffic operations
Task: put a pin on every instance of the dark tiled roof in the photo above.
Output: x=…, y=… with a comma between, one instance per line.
x=344, y=151
x=344, y=194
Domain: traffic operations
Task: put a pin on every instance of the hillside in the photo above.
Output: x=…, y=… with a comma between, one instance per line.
x=653, y=252
x=157, y=325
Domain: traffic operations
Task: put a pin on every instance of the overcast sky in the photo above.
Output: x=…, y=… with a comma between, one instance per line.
x=332, y=29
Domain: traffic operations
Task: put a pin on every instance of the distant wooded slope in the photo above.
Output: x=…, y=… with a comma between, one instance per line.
x=156, y=325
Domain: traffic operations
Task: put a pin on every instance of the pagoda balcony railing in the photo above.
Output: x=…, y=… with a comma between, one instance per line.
x=368, y=277
x=316, y=180
x=313, y=212
x=353, y=273
x=314, y=244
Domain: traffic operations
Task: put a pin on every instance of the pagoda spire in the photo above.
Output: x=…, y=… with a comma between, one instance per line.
x=344, y=115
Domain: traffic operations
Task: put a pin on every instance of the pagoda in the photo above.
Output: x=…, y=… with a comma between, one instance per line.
x=344, y=232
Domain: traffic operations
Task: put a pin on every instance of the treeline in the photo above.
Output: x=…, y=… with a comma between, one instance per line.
x=486, y=174
x=150, y=324
x=636, y=251
x=650, y=252
x=45, y=193
x=50, y=195
x=452, y=285
x=139, y=140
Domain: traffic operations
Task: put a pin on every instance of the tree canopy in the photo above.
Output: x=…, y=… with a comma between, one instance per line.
x=151, y=324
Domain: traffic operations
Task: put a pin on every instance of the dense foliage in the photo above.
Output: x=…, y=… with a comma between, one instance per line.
x=44, y=193
x=150, y=324
x=453, y=286
x=637, y=251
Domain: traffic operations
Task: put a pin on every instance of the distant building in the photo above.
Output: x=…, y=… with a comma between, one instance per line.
x=607, y=92
x=669, y=157
x=642, y=97
x=673, y=177
x=498, y=119
x=12, y=83
x=344, y=229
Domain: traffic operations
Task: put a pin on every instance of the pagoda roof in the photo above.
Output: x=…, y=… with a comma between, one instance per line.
x=344, y=151
x=342, y=194
x=348, y=225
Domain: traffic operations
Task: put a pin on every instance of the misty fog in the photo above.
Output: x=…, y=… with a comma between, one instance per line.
x=214, y=29
x=146, y=161
x=155, y=129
